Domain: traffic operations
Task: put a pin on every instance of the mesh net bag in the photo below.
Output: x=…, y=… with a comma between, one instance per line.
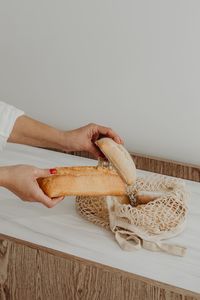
x=144, y=225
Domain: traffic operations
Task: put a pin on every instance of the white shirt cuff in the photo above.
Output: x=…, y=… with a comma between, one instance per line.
x=8, y=116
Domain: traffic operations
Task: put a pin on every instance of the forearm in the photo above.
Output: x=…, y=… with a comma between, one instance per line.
x=4, y=176
x=31, y=132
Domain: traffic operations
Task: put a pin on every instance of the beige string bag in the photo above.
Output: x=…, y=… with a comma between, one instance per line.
x=154, y=210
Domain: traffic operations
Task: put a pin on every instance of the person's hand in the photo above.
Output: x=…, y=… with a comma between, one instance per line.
x=82, y=139
x=22, y=181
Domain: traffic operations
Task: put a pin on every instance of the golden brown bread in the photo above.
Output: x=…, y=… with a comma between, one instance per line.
x=89, y=181
x=146, y=197
x=83, y=181
x=123, y=199
x=120, y=158
x=94, y=181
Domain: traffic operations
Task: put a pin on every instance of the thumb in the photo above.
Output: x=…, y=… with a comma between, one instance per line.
x=95, y=151
x=44, y=172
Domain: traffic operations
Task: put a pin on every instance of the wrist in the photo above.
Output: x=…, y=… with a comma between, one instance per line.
x=65, y=144
x=58, y=141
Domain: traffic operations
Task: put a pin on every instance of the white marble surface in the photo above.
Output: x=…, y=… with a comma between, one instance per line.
x=61, y=228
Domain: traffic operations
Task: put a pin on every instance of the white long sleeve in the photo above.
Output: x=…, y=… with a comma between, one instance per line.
x=8, y=116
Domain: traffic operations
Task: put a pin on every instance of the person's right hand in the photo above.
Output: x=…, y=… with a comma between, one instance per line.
x=22, y=181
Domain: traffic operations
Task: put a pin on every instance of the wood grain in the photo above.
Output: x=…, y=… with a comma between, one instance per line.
x=4, y=257
x=35, y=272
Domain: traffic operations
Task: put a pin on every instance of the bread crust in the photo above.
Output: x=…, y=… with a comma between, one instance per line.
x=120, y=158
x=83, y=181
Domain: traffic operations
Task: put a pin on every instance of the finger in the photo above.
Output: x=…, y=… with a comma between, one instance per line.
x=57, y=200
x=54, y=202
x=95, y=151
x=40, y=196
x=106, y=131
x=48, y=202
x=95, y=136
x=45, y=172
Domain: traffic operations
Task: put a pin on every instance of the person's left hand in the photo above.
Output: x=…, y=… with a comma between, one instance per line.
x=22, y=181
x=82, y=139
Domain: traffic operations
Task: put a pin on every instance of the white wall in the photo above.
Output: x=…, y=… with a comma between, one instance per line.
x=133, y=65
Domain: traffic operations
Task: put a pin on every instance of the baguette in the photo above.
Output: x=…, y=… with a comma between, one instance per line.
x=83, y=181
x=120, y=158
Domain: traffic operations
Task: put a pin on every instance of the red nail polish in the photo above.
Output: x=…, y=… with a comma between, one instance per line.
x=53, y=171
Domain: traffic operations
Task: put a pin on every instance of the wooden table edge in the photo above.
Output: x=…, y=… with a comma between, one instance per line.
x=101, y=266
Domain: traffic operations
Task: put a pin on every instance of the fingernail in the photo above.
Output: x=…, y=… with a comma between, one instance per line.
x=52, y=171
